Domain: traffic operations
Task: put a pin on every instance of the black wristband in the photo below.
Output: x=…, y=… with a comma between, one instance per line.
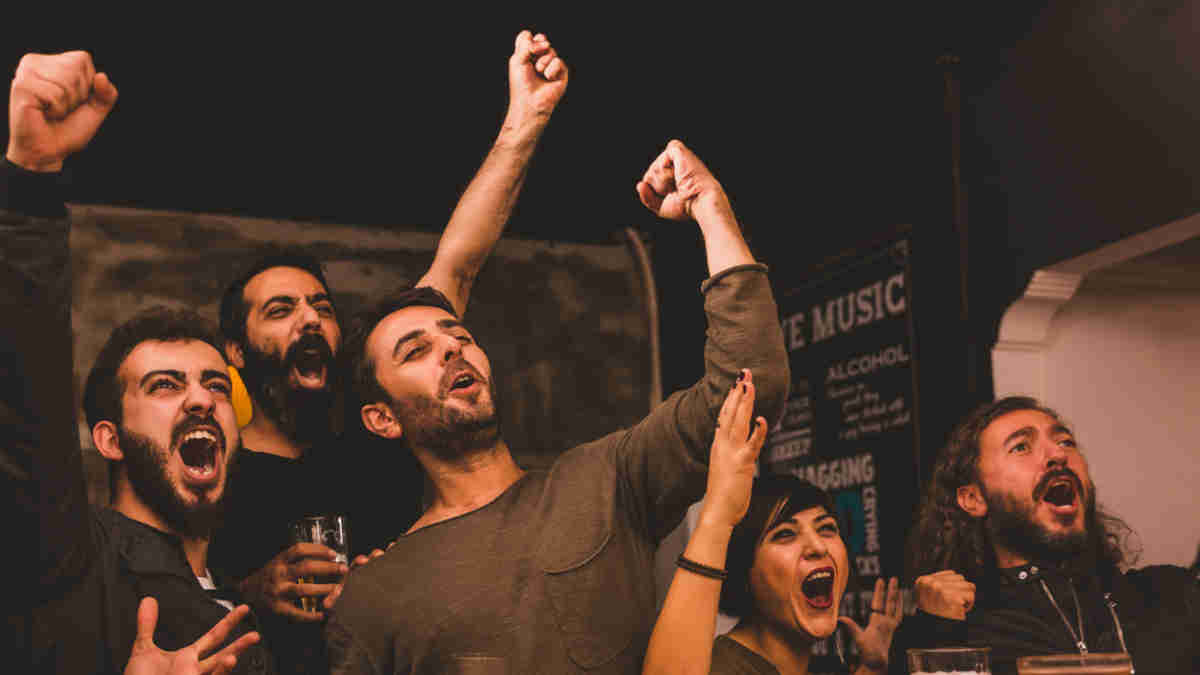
x=702, y=570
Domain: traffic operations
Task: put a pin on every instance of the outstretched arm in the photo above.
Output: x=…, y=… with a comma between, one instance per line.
x=537, y=78
x=56, y=104
x=683, y=635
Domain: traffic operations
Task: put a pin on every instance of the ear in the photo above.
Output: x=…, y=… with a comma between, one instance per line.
x=233, y=354
x=104, y=437
x=379, y=420
x=970, y=499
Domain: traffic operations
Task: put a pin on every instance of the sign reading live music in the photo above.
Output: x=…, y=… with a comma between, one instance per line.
x=850, y=422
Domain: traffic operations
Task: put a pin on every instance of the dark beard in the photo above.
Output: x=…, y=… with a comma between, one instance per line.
x=303, y=415
x=1012, y=526
x=448, y=433
x=146, y=466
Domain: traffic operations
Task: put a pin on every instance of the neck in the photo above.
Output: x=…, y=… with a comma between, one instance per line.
x=466, y=483
x=789, y=652
x=1006, y=558
x=195, y=549
x=263, y=434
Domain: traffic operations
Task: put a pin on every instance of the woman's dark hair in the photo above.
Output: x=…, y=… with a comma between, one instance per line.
x=774, y=499
x=946, y=537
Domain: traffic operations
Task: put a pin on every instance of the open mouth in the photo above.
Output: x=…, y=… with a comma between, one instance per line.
x=817, y=587
x=1061, y=494
x=310, y=365
x=463, y=380
x=199, y=449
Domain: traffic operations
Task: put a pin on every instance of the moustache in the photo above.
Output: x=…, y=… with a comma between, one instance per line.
x=1039, y=490
x=193, y=422
x=457, y=367
x=308, y=346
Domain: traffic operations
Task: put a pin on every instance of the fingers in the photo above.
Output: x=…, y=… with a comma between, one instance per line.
x=307, y=550
x=310, y=567
x=745, y=404
x=660, y=176
x=217, y=634
x=758, y=436
x=649, y=198
x=333, y=597
x=225, y=660
x=877, y=598
x=894, y=607
x=147, y=619
x=290, y=611
x=298, y=590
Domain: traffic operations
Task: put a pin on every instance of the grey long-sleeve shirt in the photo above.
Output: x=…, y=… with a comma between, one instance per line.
x=556, y=574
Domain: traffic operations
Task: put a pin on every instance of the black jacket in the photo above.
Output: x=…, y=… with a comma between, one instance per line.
x=1157, y=609
x=75, y=574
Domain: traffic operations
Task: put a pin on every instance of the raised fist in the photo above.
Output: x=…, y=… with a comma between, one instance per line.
x=57, y=103
x=947, y=594
x=537, y=77
x=678, y=185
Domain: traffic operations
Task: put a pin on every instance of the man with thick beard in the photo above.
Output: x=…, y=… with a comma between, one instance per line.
x=158, y=407
x=1012, y=552
x=541, y=571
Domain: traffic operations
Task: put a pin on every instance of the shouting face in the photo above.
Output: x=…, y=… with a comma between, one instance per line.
x=438, y=381
x=800, y=572
x=287, y=357
x=178, y=431
x=1036, y=491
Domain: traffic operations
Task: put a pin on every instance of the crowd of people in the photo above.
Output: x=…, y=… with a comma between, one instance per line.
x=470, y=563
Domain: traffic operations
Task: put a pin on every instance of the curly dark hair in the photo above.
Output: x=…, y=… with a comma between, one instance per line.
x=946, y=537
x=773, y=499
x=234, y=310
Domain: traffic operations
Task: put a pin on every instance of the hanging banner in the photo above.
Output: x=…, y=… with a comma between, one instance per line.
x=850, y=424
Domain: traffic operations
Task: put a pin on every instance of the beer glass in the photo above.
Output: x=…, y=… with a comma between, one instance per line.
x=326, y=530
x=950, y=661
x=1076, y=664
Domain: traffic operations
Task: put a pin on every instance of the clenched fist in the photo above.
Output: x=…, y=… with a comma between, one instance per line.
x=678, y=186
x=947, y=594
x=537, y=78
x=56, y=104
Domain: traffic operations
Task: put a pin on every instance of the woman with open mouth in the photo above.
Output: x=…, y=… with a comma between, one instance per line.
x=770, y=552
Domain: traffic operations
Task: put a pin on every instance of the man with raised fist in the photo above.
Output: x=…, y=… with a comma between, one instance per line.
x=158, y=408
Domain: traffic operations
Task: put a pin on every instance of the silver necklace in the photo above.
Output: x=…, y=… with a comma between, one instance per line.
x=1077, y=637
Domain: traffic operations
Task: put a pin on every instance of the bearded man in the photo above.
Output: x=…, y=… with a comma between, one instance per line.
x=158, y=408
x=1014, y=553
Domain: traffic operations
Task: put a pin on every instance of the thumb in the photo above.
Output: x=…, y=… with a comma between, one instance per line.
x=856, y=631
x=104, y=92
x=147, y=619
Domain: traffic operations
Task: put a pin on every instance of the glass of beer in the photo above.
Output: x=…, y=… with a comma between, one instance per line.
x=329, y=531
x=950, y=661
x=1076, y=664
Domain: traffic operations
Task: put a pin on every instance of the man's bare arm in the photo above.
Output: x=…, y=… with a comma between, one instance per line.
x=537, y=78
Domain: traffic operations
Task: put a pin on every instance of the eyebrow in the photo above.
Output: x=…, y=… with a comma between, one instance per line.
x=177, y=374
x=1026, y=432
x=215, y=375
x=444, y=324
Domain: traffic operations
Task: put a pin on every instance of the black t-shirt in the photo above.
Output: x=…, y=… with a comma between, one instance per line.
x=376, y=491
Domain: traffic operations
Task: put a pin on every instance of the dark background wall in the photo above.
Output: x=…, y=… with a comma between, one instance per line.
x=826, y=124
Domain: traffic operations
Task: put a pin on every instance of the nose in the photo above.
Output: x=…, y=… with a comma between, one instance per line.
x=199, y=401
x=814, y=547
x=1055, y=454
x=452, y=346
x=310, y=319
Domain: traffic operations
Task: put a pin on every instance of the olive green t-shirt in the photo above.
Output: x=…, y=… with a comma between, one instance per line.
x=556, y=574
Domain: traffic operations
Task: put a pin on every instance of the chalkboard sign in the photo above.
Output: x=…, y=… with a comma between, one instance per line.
x=850, y=425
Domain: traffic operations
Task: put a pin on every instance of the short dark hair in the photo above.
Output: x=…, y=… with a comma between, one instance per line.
x=774, y=499
x=234, y=308
x=358, y=364
x=103, y=391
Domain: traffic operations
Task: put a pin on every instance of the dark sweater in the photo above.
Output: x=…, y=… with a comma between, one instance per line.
x=1158, y=609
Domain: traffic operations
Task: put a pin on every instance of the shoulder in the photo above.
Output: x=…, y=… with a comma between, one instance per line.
x=729, y=657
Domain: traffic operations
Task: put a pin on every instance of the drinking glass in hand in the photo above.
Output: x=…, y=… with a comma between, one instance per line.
x=328, y=531
x=1075, y=664
x=952, y=660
